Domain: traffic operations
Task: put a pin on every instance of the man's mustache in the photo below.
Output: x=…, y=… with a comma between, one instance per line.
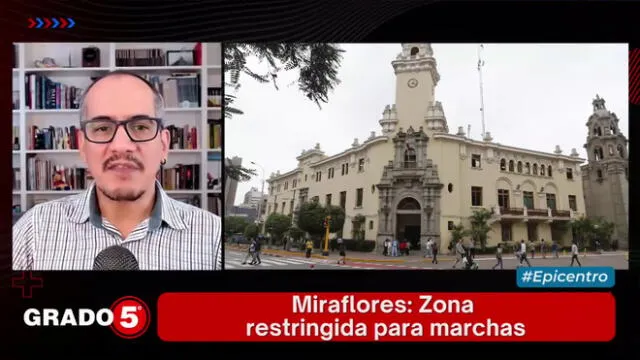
x=123, y=157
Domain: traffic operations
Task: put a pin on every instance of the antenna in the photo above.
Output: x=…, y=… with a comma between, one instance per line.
x=480, y=66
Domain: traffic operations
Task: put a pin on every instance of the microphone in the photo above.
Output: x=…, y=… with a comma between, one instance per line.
x=115, y=258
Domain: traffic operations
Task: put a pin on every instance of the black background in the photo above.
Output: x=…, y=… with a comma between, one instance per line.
x=321, y=21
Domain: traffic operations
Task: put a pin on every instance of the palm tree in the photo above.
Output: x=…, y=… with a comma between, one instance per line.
x=480, y=226
x=237, y=172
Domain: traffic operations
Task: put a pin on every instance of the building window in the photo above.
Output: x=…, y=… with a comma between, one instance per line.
x=370, y=224
x=542, y=170
x=373, y=189
x=343, y=199
x=359, y=195
x=450, y=225
x=520, y=167
x=450, y=187
x=598, y=154
x=283, y=206
x=361, y=165
x=294, y=183
x=475, y=161
x=330, y=173
x=503, y=198
x=535, y=169
x=612, y=127
x=597, y=131
x=315, y=199
x=621, y=151
x=532, y=231
x=410, y=159
x=305, y=177
x=527, y=168
x=527, y=199
x=318, y=176
x=610, y=150
x=414, y=51
x=345, y=169
x=551, y=201
x=599, y=173
x=286, y=185
x=279, y=187
x=503, y=165
x=505, y=230
x=476, y=196
x=328, y=200
x=573, y=205
x=511, y=163
x=569, y=174
x=549, y=172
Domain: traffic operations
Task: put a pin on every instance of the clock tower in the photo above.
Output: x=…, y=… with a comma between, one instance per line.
x=416, y=79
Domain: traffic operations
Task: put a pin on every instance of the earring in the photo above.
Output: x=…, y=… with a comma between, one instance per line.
x=163, y=162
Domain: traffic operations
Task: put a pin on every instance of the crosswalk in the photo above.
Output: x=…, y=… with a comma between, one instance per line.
x=233, y=261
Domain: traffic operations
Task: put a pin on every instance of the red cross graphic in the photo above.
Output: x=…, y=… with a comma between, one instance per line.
x=26, y=283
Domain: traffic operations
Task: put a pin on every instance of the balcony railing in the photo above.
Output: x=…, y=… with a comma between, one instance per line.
x=511, y=211
x=537, y=212
x=560, y=213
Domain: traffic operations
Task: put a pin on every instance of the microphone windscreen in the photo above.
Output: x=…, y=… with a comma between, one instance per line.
x=115, y=258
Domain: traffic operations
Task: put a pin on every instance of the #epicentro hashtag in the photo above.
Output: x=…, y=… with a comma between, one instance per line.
x=526, y=276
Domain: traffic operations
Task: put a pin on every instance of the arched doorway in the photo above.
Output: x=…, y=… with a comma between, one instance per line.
x=408, y=221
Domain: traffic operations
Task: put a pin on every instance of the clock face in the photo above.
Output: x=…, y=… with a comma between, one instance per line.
x=412, y=83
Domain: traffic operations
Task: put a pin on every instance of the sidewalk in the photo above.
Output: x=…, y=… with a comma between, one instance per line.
x=373, y=257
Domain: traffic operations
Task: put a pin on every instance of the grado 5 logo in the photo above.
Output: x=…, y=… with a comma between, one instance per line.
x=128, y=317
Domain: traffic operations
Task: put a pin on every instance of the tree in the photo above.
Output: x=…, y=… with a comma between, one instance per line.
x=458, y=232
x=295, y=233
x=277, y=225
x=311, y=218
x=480, y=227
x=337, y=218
x=317, y=63
x=237, y=172
x=251, y=231
x=235, y=225
x=603, y=231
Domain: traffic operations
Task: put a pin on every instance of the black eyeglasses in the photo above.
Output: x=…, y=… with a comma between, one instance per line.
x=102, y=130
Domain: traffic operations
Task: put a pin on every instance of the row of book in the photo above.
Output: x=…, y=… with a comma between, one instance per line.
x=180, y=177
x=215, y=134
x=43, y=93
x=46, y=175
x=183, y=137
x=140, y=57
x=53, y=138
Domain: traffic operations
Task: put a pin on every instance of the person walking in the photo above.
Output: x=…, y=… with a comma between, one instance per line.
x=523, y=253
x=574, y=254
x=434, y=252
x=460, y=252
x=498, y=258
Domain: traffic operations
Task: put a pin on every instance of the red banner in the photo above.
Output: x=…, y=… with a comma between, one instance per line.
x=270, y=317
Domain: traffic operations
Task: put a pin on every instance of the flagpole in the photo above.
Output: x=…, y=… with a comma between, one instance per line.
x=480, y=65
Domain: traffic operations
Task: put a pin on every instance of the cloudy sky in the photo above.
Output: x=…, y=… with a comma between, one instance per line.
x=536, y=97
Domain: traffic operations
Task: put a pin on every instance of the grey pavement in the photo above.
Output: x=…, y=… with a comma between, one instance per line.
x=233, y=261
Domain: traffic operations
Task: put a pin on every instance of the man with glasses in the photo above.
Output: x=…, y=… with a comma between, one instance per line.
x=123, y=141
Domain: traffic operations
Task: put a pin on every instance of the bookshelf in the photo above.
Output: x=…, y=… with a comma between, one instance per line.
x=201, y=112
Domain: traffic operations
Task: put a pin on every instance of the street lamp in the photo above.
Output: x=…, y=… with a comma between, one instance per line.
x=261, y=192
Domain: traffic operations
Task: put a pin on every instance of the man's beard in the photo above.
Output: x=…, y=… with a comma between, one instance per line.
x=122, y=194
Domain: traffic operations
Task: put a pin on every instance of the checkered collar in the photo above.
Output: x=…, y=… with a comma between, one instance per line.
x=164, y=210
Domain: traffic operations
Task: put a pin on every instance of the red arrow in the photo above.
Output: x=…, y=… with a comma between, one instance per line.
x=31, y=23
x=63, y=23
x=47, y=23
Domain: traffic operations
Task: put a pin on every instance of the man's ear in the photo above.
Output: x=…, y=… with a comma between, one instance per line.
x=81, y=144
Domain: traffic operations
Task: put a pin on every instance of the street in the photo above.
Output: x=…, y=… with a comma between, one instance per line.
x=294, y=261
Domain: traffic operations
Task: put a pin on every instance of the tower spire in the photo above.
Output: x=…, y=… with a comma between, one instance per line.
x=480, y=66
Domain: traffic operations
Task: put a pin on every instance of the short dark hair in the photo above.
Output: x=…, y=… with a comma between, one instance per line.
x=157, y=96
